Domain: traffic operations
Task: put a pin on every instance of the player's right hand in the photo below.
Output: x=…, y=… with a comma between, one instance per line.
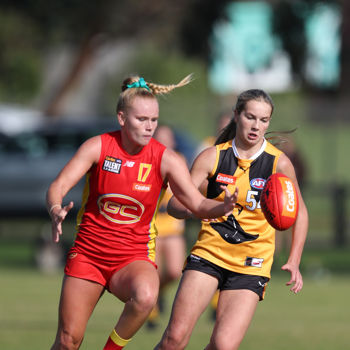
x=57, y=216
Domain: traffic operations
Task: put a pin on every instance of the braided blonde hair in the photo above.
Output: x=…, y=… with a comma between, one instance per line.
x=151, y=90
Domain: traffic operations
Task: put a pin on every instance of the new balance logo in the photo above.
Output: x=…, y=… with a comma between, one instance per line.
x=129, y=164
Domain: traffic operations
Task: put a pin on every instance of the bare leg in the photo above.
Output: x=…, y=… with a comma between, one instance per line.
x=234, y=314
x=137, y=285
x=173, y=252
x=170, y=257
x=193, y=295
x=78, y=299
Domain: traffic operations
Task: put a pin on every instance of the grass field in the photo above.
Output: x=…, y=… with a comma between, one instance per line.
x=317, y=318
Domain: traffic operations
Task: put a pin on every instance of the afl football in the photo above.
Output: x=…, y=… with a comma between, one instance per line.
x=279, y=201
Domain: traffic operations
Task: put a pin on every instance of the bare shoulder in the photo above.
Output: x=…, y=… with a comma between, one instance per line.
x=285, y=166
x=172, y=159
x=86, y=156
x=206, y=159
x=94, y=141
x=90, y=149
x=208, y=152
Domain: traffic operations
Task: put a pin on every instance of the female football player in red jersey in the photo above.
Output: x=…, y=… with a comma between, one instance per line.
x=127, y=172
x=234, y=253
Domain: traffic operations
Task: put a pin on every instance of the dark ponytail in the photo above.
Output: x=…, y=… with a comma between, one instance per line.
x=227, y=133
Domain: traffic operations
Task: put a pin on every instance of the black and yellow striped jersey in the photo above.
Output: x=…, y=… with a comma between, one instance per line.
x=243, y=242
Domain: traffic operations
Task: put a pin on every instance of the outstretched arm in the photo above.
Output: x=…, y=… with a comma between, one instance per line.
x=299, y=231
x=187, y=200
x=87, y=155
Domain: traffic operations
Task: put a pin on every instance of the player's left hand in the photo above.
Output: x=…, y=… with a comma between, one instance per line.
x=296, y=279
x=230, y=200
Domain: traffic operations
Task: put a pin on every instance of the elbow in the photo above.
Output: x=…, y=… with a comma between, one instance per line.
x=170, y=210
x=176, y=214
x=177, y=210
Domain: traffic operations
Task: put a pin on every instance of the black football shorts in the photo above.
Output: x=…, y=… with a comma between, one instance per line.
x=228, y=280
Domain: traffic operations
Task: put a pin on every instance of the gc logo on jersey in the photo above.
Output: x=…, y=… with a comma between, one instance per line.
x=120, y=209
x=112, y=164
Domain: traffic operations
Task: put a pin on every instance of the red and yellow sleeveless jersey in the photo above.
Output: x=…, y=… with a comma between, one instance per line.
x=120, y=200
x=167, y=225
x=243, y=242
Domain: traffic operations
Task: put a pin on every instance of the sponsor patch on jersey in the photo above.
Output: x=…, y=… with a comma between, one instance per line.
x=112, y=164
x=72, y=255
x=257, y=183
x=254, y=262
x=226, y=179
x=141, y=187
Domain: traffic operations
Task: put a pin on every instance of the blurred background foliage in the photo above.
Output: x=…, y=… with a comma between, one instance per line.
x=177, y=31
x=20, y=60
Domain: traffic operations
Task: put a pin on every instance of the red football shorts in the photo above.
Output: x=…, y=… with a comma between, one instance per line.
x=81, y=266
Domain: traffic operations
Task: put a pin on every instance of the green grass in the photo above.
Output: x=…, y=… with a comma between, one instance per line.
x=317, y=318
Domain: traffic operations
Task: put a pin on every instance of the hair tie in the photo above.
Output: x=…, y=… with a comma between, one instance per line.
x=139, y=84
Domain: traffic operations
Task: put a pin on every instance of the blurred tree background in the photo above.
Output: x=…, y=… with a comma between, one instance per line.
x=161, y=40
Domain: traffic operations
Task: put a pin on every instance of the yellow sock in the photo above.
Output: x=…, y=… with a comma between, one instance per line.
x=115, y=342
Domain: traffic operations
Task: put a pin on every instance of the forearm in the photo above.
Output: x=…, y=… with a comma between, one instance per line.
x=177, y=210
x=210, y=209
x=298, y=237
x=57, y=212
x=54, y=196
x=185, y=188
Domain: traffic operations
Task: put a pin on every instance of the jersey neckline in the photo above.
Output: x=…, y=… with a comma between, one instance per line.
x=256, y=155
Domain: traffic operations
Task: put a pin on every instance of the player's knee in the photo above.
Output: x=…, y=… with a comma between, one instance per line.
x=176, y=337
x=174, y=274
x=224, y=343
x=146, y=298
x=68, y=341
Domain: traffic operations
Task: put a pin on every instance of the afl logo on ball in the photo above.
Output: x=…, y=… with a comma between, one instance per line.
x=120, y=209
